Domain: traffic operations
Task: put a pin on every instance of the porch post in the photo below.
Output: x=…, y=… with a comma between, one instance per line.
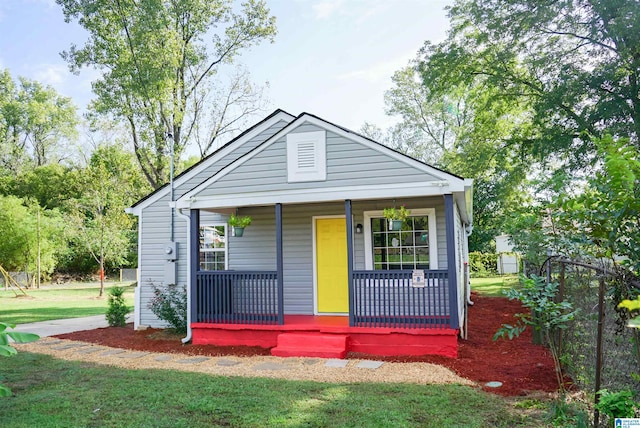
x=348, y=215
x=194, y=261
x=452, y=273
x=279, y=263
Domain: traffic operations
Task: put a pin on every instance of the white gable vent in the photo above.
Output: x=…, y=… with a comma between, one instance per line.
x=307, y=156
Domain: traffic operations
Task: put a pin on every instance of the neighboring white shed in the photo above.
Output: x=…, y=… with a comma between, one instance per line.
x=507, y=259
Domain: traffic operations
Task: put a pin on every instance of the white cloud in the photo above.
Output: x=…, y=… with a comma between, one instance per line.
x=51, y=74
x=380, y=72
x=326, y=8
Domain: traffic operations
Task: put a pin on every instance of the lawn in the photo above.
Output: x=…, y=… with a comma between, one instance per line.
x=56, y=302
x=57, y=393
x=494, y=286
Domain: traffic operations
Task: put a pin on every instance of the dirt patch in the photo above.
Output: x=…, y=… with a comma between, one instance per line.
x=518, y=364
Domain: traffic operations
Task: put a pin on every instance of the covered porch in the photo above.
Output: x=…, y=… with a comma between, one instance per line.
x=388, y=312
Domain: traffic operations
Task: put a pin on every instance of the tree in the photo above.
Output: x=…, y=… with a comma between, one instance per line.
x=110, y=183
x=29, y=234
x=35, y=123
x=576, y=63
x=465, y=129
x=155, y=63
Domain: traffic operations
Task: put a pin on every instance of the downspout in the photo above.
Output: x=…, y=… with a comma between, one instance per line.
x=468, y=231
x=187, y=338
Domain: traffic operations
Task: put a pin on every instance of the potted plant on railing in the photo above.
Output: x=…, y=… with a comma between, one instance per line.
x=396, y=216
x=238, y=224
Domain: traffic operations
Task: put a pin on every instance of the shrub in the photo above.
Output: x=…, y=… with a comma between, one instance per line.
x=616, y=404
x=169, y=304
x=483, y=264
x=118, y=310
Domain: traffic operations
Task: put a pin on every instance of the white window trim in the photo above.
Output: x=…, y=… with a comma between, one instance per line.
x=226, y=242
x=319, y=141
x=433, y=236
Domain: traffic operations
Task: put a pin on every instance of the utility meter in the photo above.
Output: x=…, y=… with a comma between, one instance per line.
x=170, y=251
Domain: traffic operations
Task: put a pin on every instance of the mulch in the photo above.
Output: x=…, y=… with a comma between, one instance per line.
x=522, y=367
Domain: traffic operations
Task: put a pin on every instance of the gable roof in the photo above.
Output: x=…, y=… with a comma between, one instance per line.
x=454, y=184
x=193, y=170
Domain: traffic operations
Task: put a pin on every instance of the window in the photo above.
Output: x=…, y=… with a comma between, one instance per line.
x=213, y=247
x=307, y=156
x=412, y=247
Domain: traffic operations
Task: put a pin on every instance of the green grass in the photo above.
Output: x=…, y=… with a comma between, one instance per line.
x=494, y=286
x=56, y=302
x=56, y=393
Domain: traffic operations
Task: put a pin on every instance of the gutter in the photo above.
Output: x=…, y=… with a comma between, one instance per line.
x=187, y=338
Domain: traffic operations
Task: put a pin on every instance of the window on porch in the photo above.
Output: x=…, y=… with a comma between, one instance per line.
x=412, y=247
x=213, y=247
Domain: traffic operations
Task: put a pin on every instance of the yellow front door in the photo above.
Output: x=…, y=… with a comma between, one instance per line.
x=331, y=265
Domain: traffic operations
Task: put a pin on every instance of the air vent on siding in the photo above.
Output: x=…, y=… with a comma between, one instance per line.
x=306, y=156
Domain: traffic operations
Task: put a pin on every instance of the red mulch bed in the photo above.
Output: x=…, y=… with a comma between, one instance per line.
x=521, y=366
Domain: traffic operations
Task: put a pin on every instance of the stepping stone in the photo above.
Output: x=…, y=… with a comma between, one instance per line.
x=309, y=361
x=195, y=360
x=227, y=363
x=89, y=350
x=49, y=342
x=68, y=346
x=133, y=355
x=163, y=358
x=113, y=352
x=369, y=364
x=493, y=384
x=271, y=366
x=336, y=363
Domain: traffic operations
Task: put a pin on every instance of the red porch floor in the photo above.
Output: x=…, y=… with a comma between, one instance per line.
x=317, y=331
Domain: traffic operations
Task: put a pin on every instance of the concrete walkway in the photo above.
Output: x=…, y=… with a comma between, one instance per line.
x=69, y=325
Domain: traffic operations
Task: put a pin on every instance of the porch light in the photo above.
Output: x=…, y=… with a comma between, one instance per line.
x=358, y=228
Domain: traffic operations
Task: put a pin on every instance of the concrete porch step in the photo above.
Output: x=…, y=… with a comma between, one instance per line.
x=311, y=345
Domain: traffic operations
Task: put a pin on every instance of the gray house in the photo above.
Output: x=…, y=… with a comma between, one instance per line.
x=320, y=271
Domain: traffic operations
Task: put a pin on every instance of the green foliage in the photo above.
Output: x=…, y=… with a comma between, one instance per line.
x=25, y=227
x=616, y=404
x=169, y=304
x=156, y=65
x=483, y=264
x=36, y=124
x=633, y=306
x=236, y=221
x=394, y=213
x=546, y=317
x=104, y=229
x=118, y=310
x=564, y=413
x=6, y=350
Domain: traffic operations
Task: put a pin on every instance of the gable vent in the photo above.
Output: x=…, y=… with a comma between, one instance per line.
x=306, y=156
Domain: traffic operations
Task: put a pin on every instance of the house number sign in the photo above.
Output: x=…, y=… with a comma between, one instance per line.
x=417, y=278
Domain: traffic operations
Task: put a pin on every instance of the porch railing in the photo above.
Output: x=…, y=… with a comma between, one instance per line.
x=243, y=297
x=390, y=299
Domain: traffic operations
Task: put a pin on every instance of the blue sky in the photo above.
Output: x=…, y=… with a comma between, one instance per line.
x=332, y=58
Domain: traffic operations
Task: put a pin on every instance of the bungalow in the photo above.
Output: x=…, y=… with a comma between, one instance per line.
x=320, y=271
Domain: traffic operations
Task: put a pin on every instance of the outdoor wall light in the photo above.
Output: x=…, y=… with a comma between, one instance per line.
x=358, y=228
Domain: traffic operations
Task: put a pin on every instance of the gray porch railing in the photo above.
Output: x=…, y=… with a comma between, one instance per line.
x=387, y=298
x=243, y=297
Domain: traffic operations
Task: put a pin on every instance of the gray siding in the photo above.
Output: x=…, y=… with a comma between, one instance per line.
x=155, y=223
x=256, y=249
x=239, y=151
x=348, y=164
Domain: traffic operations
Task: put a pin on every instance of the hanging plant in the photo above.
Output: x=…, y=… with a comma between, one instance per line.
x=396, y=216
x=239, y=223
